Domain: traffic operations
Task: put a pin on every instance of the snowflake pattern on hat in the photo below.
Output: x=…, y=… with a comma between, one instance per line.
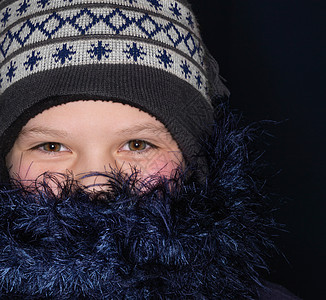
x=164, y=40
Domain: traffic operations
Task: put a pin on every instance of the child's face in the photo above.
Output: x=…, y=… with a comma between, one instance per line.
x=88, y=136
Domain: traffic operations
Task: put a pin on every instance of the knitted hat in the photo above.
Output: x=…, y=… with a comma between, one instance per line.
x=144, y=53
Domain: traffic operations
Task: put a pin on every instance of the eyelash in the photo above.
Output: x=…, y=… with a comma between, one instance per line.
x=148, y=146
x=39, y=148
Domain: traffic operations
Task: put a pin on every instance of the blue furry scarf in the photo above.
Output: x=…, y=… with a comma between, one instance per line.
x=180, y=240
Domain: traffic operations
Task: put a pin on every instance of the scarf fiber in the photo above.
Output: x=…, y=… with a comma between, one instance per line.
x=180, y=239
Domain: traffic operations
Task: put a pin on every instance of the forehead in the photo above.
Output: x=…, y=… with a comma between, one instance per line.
x=93, y=116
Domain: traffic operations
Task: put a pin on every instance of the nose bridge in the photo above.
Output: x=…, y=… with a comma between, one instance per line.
x=93, y=162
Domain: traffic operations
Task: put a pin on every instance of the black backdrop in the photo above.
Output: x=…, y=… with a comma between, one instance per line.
x=272, y=54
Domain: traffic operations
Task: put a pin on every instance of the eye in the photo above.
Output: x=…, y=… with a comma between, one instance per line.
x=137, y=146
x=52, y=147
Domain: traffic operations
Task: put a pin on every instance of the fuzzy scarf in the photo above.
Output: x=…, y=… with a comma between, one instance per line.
x=179, y=240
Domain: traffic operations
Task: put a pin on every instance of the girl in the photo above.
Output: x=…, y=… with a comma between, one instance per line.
x=123, y=174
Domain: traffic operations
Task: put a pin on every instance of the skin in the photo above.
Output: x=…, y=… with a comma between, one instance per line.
x=93, y=136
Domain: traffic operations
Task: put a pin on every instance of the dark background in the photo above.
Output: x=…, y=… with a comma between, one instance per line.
x=272, y=55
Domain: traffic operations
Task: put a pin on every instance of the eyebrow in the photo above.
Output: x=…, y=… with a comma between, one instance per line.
x=136, y=129
x=44, y=131
x=145, y=127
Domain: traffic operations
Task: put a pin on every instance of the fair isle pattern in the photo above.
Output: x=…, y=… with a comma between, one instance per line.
x=85, y=22
x=171, y=9
x=38, y=36
x=101, y=52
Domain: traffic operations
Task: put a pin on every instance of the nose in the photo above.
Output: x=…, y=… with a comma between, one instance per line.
x=91, y=170
x=94, y=181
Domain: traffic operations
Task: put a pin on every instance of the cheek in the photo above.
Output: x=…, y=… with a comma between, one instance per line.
x=21, y=167
x=162, y=164
x=24, y=170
